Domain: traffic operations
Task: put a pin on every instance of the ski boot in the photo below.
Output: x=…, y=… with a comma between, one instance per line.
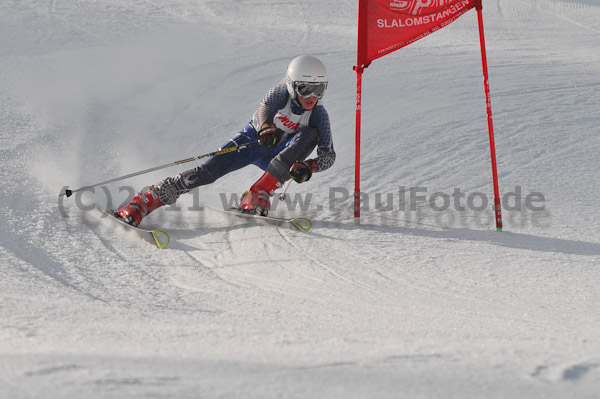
x=139, y=206
x=257, y=199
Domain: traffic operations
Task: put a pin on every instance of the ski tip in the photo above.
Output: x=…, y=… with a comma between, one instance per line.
x=161, y=238
x=302, y=224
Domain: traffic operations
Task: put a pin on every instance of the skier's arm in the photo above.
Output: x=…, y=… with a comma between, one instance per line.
x=325, y=153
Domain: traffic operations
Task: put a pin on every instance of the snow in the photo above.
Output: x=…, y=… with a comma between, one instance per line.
x=415, y=303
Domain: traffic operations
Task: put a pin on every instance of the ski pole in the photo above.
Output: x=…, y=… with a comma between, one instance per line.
x=240, y=147
x=283, y=196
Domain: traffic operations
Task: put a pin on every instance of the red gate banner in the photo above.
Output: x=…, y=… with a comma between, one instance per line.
x=387, y=25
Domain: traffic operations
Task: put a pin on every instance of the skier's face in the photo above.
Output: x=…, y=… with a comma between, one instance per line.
x=308, y=103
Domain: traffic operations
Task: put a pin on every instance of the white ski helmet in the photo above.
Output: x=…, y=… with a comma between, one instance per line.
x=306, y=76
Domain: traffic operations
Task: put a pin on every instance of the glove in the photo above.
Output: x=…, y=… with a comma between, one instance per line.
x=269, y=135
x=302, y=171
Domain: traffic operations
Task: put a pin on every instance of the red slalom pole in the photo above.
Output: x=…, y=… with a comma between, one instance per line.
x=359, y=71
x=362, y=62
x=497, y=202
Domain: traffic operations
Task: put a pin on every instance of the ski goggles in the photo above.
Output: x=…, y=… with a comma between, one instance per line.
x=310, y=89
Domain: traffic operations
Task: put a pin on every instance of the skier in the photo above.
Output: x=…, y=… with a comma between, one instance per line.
x=289, y=123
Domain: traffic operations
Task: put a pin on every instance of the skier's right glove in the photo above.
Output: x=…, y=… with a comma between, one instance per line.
x=302, y=171
x=269, y=135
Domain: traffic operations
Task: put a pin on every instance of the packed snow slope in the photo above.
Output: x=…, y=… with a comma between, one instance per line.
x=423, y=300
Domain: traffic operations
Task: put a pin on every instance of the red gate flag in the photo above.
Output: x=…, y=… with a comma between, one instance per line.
x=387, y=25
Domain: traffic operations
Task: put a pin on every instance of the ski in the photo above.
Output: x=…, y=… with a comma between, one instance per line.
x=300, y=224
x=161, y=239
x=155, y=237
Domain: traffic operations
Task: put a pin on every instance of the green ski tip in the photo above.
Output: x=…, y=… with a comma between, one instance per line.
x=302, y=224
x=161, y=238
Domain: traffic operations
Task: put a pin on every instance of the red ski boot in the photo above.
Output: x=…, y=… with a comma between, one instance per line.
x=139, y=206
x=256, y=200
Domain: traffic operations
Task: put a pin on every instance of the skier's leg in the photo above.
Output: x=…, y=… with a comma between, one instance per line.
x=277, y=165
x=166, y=191
x=296, y=149
x=214, y=168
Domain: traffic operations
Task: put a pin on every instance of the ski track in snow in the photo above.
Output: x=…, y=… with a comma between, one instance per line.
x=427, y=303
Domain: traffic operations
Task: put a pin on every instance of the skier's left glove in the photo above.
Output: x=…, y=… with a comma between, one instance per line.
x=269, y=135
x=302, y=171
